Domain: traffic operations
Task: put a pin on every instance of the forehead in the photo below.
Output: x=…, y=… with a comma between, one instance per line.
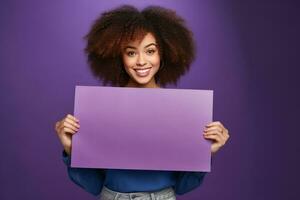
x=147, y=39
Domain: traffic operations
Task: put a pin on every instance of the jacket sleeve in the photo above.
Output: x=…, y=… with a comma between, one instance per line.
x=187, y=181
x=90, y=180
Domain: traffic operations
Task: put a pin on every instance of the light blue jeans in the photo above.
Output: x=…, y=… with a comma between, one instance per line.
x=165, y=194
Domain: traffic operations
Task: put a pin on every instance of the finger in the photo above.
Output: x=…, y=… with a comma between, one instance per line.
x=226, y=136
x=214, y=132
x=71, y=126
x=68, y=130
x=72, y=117
x=216, y=123
x=213, y=137
x=213, y=128
x=217, y=140
x=226, y=133
x=74, y=123
x=221, y=138
x=60, y=125
x=220, y=135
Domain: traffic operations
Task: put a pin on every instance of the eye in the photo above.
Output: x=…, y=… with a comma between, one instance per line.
x=150, y=51
x=130, y=53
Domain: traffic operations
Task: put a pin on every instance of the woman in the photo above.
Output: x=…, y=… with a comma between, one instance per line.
x=145, y=49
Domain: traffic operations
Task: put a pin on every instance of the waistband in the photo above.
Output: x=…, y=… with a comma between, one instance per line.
x=155, y=195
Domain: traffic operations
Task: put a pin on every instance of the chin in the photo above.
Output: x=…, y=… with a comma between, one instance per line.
x=142, y=81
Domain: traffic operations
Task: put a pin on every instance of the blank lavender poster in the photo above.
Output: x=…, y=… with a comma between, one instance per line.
x=142, y=128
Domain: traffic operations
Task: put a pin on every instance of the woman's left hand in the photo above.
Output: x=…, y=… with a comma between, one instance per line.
x=216, y=132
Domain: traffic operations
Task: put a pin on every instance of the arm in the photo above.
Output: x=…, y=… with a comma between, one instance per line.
x=187, y=181
x=90, y=180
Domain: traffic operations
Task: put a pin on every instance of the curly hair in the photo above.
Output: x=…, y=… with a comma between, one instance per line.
x=114, y=29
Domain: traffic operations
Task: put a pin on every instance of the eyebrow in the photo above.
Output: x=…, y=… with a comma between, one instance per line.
x=132, y=47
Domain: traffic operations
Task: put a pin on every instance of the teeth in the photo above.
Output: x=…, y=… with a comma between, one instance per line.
x=142, y=70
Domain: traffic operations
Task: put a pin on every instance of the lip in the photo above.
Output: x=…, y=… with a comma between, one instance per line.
x=142, y=72
x=142, y=68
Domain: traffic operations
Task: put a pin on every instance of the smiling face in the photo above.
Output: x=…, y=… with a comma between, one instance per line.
x=141, y=61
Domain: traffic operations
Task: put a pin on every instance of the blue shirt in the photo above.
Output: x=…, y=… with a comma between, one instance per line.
x=122, y=180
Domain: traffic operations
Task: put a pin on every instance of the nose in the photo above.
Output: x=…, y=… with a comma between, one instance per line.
x=141, y=60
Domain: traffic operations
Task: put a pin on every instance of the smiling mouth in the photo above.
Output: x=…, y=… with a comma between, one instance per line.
x=143, y=72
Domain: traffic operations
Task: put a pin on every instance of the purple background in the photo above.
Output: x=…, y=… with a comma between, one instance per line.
x=247, y=53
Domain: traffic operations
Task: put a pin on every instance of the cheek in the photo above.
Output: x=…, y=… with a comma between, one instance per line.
x=128, y=62
x=155, y=61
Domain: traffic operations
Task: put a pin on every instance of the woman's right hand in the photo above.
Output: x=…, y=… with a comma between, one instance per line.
x=65, y=128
